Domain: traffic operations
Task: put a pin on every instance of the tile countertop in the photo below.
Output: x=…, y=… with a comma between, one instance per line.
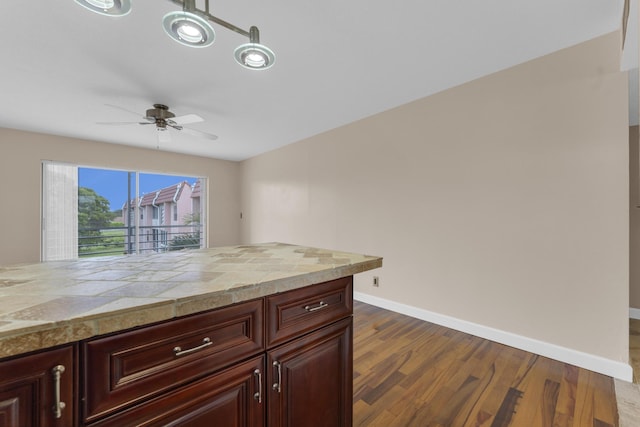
x=47, y=304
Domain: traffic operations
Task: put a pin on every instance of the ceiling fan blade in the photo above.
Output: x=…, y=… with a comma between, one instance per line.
x=123, y=109
x=124, y=123
x=118, y=123
x=148, y=119
x=186, y=119
x=200, y=134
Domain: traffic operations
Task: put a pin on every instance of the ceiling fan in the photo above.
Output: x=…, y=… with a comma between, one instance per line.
x=164, y=119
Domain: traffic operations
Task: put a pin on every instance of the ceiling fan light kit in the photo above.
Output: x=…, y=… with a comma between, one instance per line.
x=191, y=27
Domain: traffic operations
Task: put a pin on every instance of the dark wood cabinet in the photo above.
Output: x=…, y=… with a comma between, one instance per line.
x=37, y=390
x=232, y=397
x=310, y=379
x=284, y=360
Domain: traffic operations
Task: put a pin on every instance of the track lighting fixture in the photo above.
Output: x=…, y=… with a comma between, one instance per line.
x=192, y=27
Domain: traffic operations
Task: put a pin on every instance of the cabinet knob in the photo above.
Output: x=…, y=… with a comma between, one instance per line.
x=278, y=366
x=317, y=307
x=258, y=395
x=206, y=342
x=58, y=406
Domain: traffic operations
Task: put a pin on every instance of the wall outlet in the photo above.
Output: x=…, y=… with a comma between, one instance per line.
x=376, y=281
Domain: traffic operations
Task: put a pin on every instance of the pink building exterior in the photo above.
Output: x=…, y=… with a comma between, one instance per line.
x=164, y=214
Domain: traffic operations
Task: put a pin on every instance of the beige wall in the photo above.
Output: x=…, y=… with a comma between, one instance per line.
x=634, y=218
x=20, y=172
x=502, y=202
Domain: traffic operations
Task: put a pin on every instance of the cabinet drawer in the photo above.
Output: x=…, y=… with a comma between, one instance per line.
x=126, y=368
x=297, y=312
x=232, y=397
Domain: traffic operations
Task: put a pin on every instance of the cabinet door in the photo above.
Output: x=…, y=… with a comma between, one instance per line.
x=233, y=397
x=310, y=379
x=28, y=389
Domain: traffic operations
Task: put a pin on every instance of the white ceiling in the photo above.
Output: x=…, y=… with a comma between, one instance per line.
x=337, y=61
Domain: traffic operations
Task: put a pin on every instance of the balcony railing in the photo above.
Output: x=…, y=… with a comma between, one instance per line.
x=122, y=240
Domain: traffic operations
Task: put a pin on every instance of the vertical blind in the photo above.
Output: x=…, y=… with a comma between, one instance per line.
x=59, y=211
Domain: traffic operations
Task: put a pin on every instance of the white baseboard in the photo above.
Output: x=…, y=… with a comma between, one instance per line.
x=634, y=313
x=588, y=361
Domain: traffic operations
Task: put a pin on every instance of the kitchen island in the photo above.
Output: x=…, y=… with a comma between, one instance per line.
x=267, y=301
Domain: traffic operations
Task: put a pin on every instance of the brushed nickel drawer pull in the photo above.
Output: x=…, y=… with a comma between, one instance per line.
x=258, y=395
x=318, y=307
x=276, y=386
x=180, y=352
x=58, y=406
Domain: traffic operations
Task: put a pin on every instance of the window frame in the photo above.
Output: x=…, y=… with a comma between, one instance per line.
x=138, y=219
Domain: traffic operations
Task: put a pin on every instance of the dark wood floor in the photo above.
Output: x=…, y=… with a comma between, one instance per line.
x=408, y=372
x=634, y=348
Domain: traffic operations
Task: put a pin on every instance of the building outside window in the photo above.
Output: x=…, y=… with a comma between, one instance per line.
x=175, y=223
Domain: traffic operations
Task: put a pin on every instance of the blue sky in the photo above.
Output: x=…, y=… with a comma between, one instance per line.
x=112, y=184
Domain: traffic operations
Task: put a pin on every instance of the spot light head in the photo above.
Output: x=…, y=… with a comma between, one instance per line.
x=107, y=7
x=188, y=28
x=254, y=55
